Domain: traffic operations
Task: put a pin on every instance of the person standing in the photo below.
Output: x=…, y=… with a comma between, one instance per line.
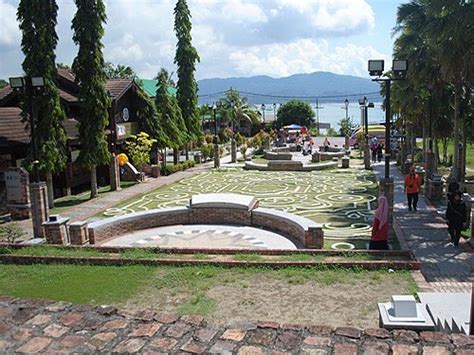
x=379, y=152
x=453, y=187
x=379, y=238
x=412, y=188
x=456, y=216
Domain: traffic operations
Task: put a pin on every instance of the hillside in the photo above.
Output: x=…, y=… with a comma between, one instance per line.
x=314, y=84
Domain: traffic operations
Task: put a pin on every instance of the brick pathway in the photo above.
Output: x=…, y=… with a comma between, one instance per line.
x=28, y=326
x=445, y=268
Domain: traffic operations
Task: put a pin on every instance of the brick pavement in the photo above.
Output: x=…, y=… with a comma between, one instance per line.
x=444, y=267
x=28, y=326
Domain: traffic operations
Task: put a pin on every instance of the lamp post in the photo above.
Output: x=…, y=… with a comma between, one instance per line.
x=346, y=105
x=274, y=111
x=30, y=86
x=263, y=113
x=376, y=68
x=216, y=139
x=365, y=104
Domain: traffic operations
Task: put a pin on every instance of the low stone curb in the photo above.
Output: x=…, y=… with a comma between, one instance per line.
x=117, y=261
x=28, y=326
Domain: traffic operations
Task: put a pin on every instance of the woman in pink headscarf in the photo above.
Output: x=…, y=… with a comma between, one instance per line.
x=379, y=239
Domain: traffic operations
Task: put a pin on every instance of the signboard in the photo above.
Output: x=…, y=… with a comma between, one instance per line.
x=16, y=184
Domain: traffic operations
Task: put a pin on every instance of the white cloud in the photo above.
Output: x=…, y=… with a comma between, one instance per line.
x=233, y=37
x=303, y=56
x=9, y=33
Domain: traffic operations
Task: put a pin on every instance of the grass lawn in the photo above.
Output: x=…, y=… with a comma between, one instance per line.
x=296, y=295
x=63, y=203
x=469, y=151
x=341, y=199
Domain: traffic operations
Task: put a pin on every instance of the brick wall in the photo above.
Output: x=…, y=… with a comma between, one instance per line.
x=220, y=216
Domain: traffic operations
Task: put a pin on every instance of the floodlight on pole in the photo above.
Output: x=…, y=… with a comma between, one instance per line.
x=17, y=83
x=376, y=67
x=37, y=81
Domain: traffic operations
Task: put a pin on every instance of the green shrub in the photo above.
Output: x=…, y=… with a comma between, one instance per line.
x=171, y=169
x=11, y=231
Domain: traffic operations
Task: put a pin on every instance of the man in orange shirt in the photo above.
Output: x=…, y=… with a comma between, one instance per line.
x=412, y=188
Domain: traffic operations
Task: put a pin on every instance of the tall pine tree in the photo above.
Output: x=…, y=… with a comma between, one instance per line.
x=186, y=58
x=88, y=25
x=169, y=115
x=39, y=39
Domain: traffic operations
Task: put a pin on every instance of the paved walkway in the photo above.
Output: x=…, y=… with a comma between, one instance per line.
x=445, y=268
x=28, y=326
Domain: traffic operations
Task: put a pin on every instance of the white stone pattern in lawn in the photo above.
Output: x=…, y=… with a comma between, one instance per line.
x=339, y=199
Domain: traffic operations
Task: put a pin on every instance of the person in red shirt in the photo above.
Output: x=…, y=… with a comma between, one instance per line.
x=412, y=188
x=379, y=238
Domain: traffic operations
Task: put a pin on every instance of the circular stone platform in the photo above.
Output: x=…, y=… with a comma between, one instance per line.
x=203, y=236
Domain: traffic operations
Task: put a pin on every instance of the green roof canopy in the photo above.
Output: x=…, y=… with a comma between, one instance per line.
x=150, y=87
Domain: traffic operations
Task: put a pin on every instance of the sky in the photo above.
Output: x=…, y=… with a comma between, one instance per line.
x=234, y=38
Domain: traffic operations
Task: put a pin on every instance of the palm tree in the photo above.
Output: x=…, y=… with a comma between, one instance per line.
x=235, y=109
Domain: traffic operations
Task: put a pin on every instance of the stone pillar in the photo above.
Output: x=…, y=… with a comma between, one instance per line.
x=17, y=188
x=315, y=158
x=56, y=231
x=39, y=208
x=345, y=162
x=267, y=143
x=434, y=188
x=429, y=165
x=155, y=170
x=346, y=143
x=217, y=158
x=366, y=157
x=79, y=233
x=386, y=189
x=114, y=174
x=233, y=150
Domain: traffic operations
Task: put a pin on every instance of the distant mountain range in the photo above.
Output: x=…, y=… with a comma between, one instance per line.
x=328, y=87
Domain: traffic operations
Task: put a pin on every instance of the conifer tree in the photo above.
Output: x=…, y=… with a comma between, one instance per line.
x=88, y=26
x=169, y=114
x=38, y=20
x=186, y=58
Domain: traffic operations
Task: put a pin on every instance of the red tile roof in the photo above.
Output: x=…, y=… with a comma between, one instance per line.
x=12, y=130
x=117, y=87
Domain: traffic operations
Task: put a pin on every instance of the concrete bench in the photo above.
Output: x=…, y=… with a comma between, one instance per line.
x=306, y=231
x=278, y=156
x=323, y=156
x=255, y=166
x=320, y=166
x=284, y=165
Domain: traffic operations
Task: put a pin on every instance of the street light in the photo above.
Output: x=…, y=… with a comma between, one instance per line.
x=274, y=111
x=263, y=112
x=216, y=138
x=214, y=111
x=28, y=86
x=346, y=104
x=399, y=68
x=365, y=104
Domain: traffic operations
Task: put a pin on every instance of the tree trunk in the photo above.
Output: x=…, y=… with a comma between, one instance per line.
x=445, y=150
x=49, y=186
x=175, y=156
x=436, y=152
x=425, y=135
x=456, y=133
x=164, y=157
x=186, y=150
x=94, y=191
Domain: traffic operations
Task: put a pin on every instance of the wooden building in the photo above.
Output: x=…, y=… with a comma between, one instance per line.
x=15, y=140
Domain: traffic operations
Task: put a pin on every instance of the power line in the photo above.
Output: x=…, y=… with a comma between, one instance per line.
x=314, y=97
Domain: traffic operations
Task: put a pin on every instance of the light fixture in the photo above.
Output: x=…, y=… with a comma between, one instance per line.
x=363, y=101
x=376, y=67
x=400, y=67
x=17, y=83
x=37, y=81
x=371, y=105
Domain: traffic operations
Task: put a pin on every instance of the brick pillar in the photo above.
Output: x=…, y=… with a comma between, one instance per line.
x=39, y=207
x=386, y=189
x=314, y=238
x=56, y=231
x=233, y=150
x=114, y=174
x=79, y=233
x=434, y=188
